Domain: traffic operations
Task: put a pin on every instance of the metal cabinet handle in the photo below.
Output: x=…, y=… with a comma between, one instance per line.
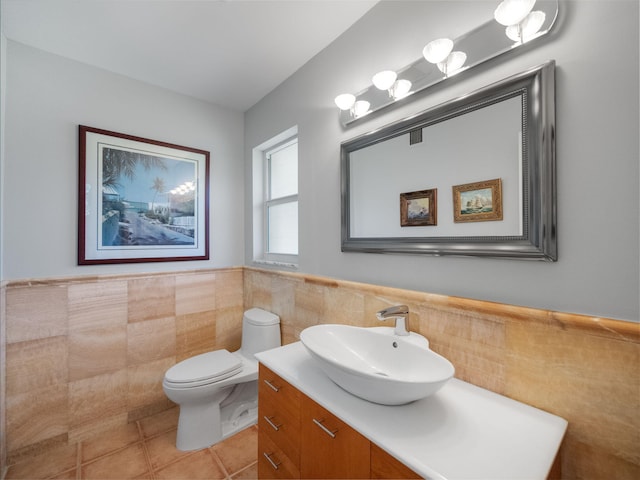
x=273, y=425
x=268, y=457
x=273, y=387
x=331, y=433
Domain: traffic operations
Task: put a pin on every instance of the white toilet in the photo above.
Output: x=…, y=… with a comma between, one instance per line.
x=218, y=391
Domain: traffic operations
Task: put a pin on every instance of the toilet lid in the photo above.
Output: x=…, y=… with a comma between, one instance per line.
x=211, y=366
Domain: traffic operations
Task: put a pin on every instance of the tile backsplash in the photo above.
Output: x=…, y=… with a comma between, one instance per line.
x=86, y=354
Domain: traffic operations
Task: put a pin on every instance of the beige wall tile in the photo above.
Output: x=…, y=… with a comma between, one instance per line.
x=151, y=297
x=41, y=465
x=195, y=293
x=36, y=364
x=96, y=428
x=284, y=299
x=97, y=351
x=582, y=461
x=229, y=328
x=257, y=290
x=110, y=440
x=229, y=289
x=151, y=340
x=145, y=383
x=343, y=305
x=97, y=305
x=592, y=382
x=195, y=333
x=309, y=302
x=36, y=416
x=96, y=398
x=584, y=369
x=149, y=409
x=38, y=311
x=3, y=383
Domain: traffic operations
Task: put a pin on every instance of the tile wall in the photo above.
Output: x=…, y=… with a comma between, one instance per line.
x=86, y=354
x=584, y=369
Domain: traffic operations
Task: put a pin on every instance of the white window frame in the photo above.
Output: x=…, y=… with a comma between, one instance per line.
x=262, y=201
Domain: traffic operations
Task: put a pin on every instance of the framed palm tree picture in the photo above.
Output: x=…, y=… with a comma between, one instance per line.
x=140, y=200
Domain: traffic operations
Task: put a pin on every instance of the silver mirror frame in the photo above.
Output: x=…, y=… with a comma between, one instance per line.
x=539, y=237
x=481, y=44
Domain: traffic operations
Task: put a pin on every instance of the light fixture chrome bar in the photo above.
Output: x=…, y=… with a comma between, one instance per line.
x=489, y=40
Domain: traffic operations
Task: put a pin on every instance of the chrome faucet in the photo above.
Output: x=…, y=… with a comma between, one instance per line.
x=401, y=314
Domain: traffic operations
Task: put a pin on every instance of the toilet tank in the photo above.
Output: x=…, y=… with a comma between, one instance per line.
x=260, y=331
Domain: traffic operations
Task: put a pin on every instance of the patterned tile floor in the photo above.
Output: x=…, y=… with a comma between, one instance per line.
x=145, y=450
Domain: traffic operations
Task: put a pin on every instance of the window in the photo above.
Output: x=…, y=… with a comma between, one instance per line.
x=275, y=189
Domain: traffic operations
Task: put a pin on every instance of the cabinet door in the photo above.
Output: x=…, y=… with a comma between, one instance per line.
x=329, y=448
x=384, y=465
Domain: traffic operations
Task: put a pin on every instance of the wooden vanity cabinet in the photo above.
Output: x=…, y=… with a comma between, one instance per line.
x=297, y=438
x=278, y=426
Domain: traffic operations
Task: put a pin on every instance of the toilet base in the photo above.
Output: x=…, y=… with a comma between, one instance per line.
x=204, y=425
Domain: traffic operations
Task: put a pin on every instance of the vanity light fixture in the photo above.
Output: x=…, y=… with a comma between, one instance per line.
x=453, y=63
x=527, y=28
x=384, y=80
x=439, y=61
x=439, y=52
x=347, y=101
x=522, y=24
x=361, y=108
x=401, y=89
x=512, y=12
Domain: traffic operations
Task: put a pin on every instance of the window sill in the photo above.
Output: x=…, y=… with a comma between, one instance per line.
x=274, y=263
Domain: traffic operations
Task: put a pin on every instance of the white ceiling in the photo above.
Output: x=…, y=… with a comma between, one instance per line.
x=231, y=53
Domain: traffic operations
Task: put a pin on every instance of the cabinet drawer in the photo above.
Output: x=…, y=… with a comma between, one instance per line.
x=384, y=465
x=273, y=462
x=329, y=447
x=279, y=392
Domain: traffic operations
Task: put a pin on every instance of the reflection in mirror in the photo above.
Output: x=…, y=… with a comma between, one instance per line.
x=485, y=42
x=502, y=135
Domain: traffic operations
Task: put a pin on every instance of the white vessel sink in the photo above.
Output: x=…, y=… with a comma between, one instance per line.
x=376, y=365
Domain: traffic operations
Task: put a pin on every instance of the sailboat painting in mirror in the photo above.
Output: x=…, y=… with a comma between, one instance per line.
x=478, y=202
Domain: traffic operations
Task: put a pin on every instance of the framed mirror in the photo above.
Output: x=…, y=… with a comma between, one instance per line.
x=474, y=176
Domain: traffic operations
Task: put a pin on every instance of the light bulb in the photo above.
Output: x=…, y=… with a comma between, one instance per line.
x=361, y=108
x=527, y=28
x=437, y=50
x=512, y=12
x=452, y=63
x=385, y=79
x=345, y=101
x=401, y=89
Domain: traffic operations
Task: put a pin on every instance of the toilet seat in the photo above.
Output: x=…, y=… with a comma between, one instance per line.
x=204, y=369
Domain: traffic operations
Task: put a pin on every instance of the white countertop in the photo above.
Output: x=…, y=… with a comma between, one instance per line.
x=460, y=432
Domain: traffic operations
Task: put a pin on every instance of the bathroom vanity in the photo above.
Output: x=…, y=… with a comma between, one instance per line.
x=311, y=428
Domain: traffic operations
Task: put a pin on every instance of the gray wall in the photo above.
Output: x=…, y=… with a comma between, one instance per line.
x=595, y=45
x=47, y=96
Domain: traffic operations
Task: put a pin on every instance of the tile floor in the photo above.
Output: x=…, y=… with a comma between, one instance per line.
x=145, y=450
